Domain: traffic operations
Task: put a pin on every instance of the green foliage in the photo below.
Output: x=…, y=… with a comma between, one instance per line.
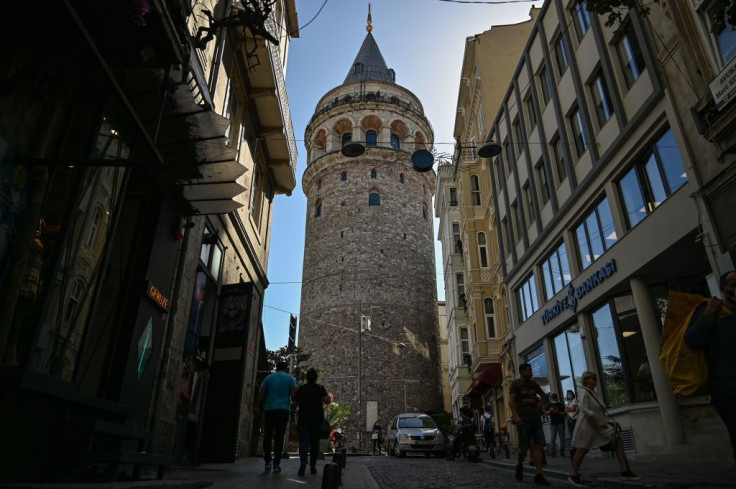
x=336, y=413
x=723, y=12
x=300, y=364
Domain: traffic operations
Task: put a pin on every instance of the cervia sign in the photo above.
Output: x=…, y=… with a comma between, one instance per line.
x=574, y=294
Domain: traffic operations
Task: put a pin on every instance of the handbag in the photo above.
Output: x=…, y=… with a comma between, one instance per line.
x=374, y=436
x=324, y=430
x=613, y=432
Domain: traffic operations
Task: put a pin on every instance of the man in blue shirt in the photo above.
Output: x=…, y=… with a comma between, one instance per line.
x=278, y=389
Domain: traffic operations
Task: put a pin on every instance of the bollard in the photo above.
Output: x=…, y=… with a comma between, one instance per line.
x=331, y=476
x=344, y=458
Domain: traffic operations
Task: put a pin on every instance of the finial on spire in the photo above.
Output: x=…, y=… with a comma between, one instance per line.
x=369, y=27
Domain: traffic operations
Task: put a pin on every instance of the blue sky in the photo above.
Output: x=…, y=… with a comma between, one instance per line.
x=423, y=41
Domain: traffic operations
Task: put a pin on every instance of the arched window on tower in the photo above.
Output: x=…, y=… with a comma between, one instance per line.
x=374, y=199
x=318, y=208
x=346, y=138
x=395, y=141
x=370, y=138
x=490, y=317
x=373, y=173
x=401, y=178
x=344, y=176
x=358, y=68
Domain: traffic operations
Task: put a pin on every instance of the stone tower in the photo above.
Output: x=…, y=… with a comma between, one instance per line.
x=369, y=248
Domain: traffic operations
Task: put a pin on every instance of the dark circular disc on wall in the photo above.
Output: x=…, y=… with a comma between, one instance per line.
x=422, y=160
x=353, y=149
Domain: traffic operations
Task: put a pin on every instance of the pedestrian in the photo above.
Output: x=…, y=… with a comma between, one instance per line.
x=526, y=398
x=714, y=330
x=571, y=408
x=278, y=390
x=487, y=418
x=376, y=437
x=311, y=399
x=465, y=430
x=556, y=413
x=592, y=431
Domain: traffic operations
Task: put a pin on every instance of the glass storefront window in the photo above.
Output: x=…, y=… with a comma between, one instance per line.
x=625, y=375
x=570, y=359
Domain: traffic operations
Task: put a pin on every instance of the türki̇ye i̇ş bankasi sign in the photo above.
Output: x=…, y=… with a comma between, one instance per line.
x=574, y=294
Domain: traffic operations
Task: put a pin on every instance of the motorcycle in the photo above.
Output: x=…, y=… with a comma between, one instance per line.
x=468, y=447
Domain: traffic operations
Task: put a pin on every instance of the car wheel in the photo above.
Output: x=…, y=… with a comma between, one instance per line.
x=391, y=450
x=402, y=453
x=439, y=454
x=427, y=454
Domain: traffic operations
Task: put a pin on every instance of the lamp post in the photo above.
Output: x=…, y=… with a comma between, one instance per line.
x=404, y=382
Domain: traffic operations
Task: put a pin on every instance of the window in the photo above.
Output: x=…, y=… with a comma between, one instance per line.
x=556, y=271
x=625, y=375
x=319, y=183
x=358, y=68
x=344, y=176
x=558, y=155
x=256, y=196
x=370, y=138
x=561, y=55
x=725, y=43
x=464, y=341
x=506, y=236
x=528, y=204
x=601, y=99
x=373, y=173
x=578, y=133
x=543, y=184
x=532, y=118
x=652, y=180
x=481, y=120
x=460, y=285
x=527, y=298
x=72, y=302
x=516, y=223
x=490, y=317
x=395, y=141
x=508, y=152
x=424, y=211
x=537, y=358
x=453, y=196
x=474, y=190
x=570, y=358
x=318, y=209
x=595, y=234
x=517, y=135
x=456, y=240
x=401, y=178
x=94, y=225
x=629, y=55
x=346, y=138
x=374, y=199
x=544, y=84
x=482, y=250
x=473, y=148
x=582, y=18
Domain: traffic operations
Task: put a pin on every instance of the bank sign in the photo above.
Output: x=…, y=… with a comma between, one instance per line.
x=574, y=294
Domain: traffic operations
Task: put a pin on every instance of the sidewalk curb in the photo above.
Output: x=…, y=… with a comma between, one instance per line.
x=155, y=484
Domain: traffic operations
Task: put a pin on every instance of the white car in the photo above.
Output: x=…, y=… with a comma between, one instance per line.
x=414, y=432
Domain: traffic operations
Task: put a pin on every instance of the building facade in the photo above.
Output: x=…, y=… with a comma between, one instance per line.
x=369, y=305
x=473, y=275
x=139, y=166
x=592, y=191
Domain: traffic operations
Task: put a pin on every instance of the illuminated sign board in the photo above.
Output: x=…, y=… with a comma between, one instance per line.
x=157, y=296
x=574, y=294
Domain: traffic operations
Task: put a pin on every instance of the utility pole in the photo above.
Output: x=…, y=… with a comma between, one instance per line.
x=404, y=382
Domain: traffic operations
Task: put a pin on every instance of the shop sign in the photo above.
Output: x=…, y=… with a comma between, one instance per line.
x=574, y=294
x=723, y=87
x=157, y=296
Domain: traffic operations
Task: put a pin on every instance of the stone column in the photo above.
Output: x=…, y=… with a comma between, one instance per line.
x=650, y=332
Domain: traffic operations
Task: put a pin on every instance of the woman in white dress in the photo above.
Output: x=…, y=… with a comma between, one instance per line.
x=591, y=429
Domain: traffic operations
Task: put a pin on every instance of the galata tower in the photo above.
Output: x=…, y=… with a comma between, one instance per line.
x=369, y=250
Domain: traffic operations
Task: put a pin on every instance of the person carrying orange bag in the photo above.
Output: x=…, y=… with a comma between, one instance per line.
x=713, y=330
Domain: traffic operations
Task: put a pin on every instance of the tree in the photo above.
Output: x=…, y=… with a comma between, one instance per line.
x=723, y=12
x=336, y=413
x=283, y=355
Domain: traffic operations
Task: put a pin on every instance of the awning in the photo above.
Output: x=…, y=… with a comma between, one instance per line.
x=491, y=376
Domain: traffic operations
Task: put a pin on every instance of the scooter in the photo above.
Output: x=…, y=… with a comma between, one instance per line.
x=468, y=448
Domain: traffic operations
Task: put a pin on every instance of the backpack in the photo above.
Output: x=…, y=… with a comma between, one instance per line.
x=487, y=424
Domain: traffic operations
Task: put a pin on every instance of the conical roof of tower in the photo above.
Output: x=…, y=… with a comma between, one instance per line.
x=371, y=63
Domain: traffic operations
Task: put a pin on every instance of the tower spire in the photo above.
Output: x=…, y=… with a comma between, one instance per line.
x=369, y=27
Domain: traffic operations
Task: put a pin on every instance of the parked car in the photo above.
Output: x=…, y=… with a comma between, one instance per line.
x=414, y=432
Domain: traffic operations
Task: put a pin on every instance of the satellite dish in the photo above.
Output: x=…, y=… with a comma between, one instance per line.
x=489, y=149
x=353, y=149
x=422, y=160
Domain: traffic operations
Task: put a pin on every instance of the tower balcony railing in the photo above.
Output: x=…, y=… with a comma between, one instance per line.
x=376, y=96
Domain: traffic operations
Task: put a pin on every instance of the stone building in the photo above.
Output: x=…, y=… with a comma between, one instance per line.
x=369, y=250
